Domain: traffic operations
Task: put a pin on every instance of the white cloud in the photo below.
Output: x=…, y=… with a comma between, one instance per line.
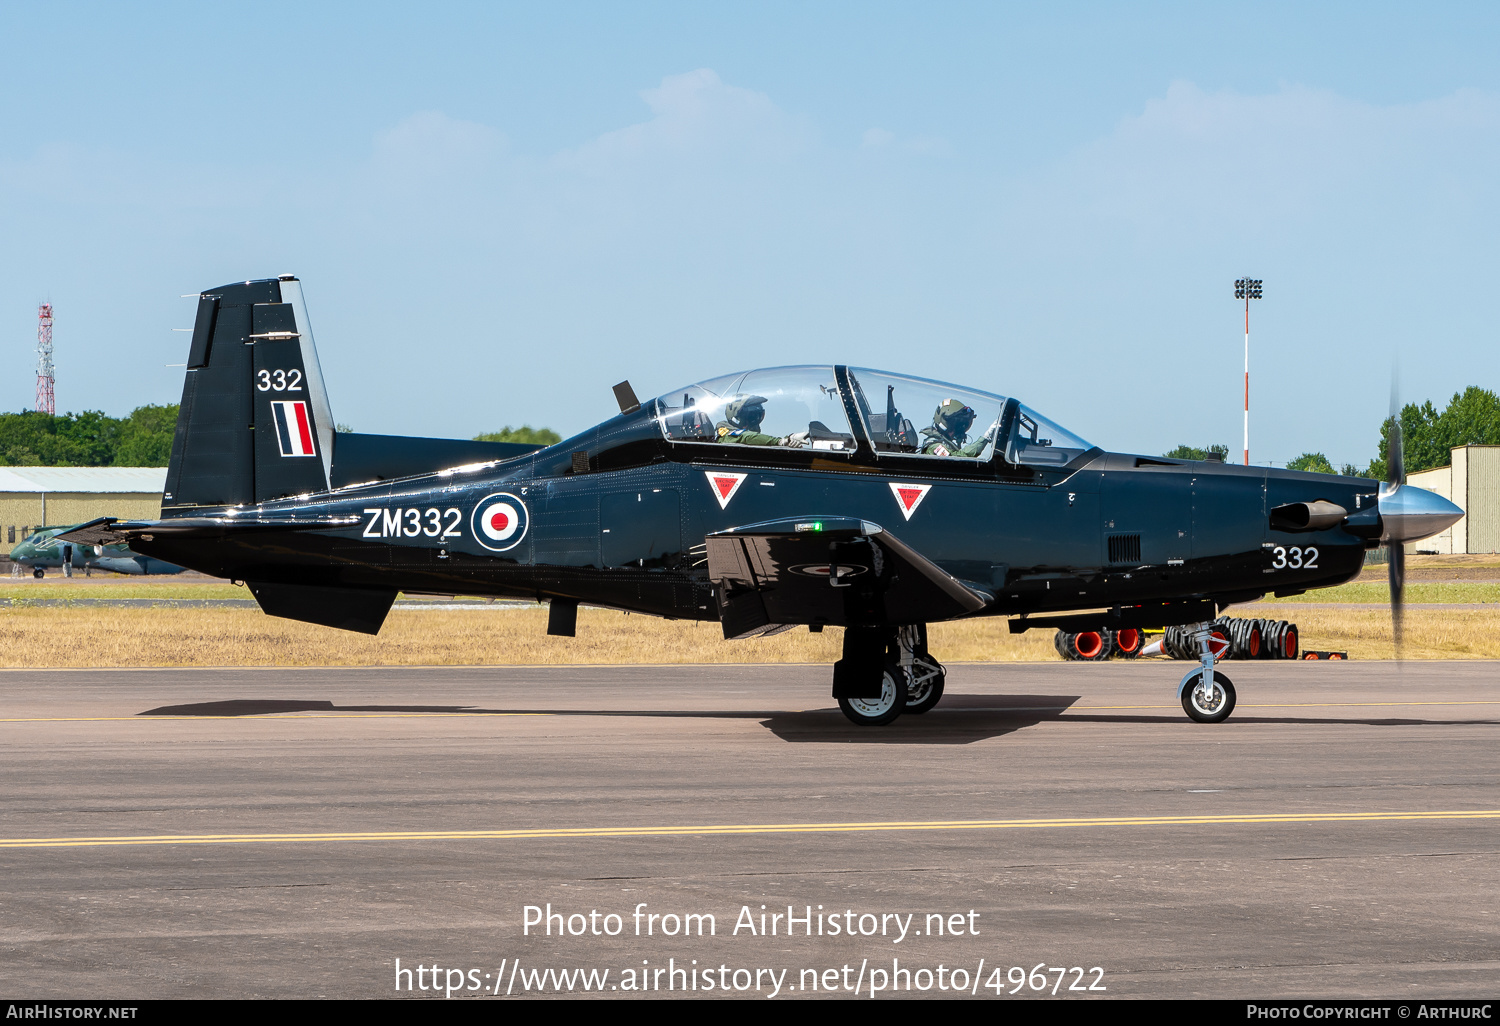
x=1194, y=160
x=431, y=145
x=921, y=145
x=696, y=117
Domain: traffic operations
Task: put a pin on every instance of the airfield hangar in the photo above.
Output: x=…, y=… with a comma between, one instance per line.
x=33, y=497
x=1471, y=481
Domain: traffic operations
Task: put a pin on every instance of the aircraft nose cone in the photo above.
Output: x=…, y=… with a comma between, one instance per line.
x=1408, y=513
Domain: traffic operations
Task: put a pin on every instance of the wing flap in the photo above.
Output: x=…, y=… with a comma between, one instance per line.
x=829, y=570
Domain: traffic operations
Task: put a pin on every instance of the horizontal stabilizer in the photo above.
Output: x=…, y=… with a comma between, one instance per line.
x=829, y=570
x=104, y=531
x=109, y=531
x=348, y=609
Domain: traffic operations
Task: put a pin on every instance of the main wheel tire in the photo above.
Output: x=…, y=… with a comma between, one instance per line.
x=1289, y=642
x=1213, y=708
x=927, y=691
x=1128, y=643
x=1063, y=642
x=38, y=572
x=877, y=712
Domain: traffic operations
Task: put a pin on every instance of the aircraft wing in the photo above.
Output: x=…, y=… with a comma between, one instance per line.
x=828, y=570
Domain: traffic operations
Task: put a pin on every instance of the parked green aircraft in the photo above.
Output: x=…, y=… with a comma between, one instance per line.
x=42, y=550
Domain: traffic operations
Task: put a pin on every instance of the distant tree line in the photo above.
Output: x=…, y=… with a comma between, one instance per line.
x=144, y=438
x=525, y=434
x=88, y=439
x=1317, y=463
x=1192, y=452
x=1472, y=417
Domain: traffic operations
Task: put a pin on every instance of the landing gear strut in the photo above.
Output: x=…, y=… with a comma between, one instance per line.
x=909, y=679
x=924, y=674
x=1207, y=695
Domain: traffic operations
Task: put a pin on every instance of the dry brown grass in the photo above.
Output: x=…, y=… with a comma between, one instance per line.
x=1472, y=559
x=516, y=636
x=1366, y=633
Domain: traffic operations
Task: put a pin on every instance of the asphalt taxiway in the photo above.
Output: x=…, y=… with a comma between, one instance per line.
x=244, y=833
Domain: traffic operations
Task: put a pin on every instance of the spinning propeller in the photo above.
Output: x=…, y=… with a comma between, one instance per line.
x=1407, y=513
x=1395, y=479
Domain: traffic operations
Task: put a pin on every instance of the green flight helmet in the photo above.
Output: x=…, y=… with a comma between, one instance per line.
x=746, y=412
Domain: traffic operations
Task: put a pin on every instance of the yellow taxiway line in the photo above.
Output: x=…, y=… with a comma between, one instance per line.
x=742, y=829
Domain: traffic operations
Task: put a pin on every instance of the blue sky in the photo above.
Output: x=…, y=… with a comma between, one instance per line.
x=499, y=210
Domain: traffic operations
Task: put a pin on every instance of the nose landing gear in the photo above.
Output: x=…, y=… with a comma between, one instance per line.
x=1207, y=695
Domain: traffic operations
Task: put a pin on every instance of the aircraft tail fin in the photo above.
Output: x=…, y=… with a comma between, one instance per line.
x=255, y=423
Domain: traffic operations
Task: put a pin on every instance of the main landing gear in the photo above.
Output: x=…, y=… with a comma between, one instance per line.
x=1207, y=695
x=885, y=672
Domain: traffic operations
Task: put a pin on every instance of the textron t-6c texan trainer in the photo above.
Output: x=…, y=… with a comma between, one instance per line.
x=766, y=499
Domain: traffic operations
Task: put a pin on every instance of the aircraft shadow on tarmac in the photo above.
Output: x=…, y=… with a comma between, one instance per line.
x=268, y=706
x=959, y=720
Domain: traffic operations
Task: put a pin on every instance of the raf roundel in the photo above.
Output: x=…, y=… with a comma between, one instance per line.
x=500, y=521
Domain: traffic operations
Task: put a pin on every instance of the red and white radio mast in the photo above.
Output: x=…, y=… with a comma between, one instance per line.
x=46, y=377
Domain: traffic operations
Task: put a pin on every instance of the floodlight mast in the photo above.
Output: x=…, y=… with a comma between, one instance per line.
x=1247, y=289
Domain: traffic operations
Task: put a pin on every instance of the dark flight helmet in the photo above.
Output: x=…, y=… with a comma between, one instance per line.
x=746, y=412
x=953, y=418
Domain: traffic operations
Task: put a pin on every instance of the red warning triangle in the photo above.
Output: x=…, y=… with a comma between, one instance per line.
x=724, y=485
x=909, y=496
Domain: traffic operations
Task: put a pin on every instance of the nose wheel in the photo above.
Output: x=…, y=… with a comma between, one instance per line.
x=1207, y=705
x=1207, y=695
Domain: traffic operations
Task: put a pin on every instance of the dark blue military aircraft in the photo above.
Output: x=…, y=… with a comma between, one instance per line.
x=764, y=500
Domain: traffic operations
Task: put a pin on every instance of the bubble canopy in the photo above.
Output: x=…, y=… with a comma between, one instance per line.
x=808, y=407
x=796, y=407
